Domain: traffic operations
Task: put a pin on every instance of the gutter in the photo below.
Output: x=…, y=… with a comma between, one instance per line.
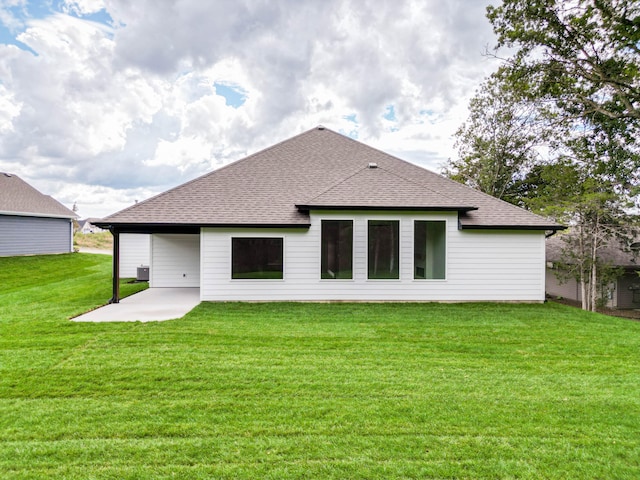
x=41, y=215
x=512, y=227
x=308, y=207
x=175, y=227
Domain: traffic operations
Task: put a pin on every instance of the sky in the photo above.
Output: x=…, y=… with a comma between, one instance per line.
x=107, y=102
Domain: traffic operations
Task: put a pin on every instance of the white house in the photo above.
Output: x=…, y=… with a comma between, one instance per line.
x=32, y=223
x=87, y=226
x=322, y=217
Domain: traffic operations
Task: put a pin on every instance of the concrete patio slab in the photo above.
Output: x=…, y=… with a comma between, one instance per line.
x=151, y=305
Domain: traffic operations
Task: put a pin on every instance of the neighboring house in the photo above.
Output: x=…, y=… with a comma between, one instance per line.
x=32, y=223
x=87, y=226
x=624, y=293
x=323, y=217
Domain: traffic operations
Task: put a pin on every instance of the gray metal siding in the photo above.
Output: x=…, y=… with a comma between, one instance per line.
x=569, y=289
x=627, y=285
x=34, y=235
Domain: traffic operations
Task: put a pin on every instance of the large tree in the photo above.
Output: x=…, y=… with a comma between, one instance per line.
x=579, y=63
x=497, y=145
x=584, y=55
x=571, y=192
x=574, y=68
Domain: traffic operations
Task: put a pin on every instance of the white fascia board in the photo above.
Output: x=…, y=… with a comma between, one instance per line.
x=33, y=214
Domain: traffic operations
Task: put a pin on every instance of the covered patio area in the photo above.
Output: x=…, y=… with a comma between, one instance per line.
x=151, y=305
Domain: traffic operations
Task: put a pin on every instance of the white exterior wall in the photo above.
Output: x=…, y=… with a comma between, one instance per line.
x=135, y=251
x=481, y=265
x=175, y=260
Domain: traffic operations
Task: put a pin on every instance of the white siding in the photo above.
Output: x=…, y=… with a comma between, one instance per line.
x=135, y=251
x=175, y=260
x=481, y=265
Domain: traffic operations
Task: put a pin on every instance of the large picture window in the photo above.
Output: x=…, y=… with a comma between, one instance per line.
x=336, y=259
x=256, y=258
x=383, y=249
x=429, y=250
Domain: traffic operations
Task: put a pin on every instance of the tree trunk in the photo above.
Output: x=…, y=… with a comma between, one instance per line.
x=583, y=280
x=594, y=276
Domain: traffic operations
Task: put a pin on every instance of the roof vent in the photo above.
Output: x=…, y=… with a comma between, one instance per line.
x=320, y=127
x=8, y=175
x=373, y=165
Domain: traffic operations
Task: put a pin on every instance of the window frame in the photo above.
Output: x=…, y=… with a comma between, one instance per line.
x=385, y=218
x=353, y=253
x=257, y=236
x=446, y=249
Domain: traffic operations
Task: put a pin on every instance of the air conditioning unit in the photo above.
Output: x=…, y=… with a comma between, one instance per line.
x=143, y=274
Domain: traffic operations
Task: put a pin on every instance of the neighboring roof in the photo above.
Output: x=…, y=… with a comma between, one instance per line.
x=318, y=169
x=615, y=253
x=89, y=222
x=19, y=198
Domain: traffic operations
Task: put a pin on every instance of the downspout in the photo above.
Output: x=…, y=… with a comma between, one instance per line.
x=549, y=235
x=71, y=229
x=116, y=264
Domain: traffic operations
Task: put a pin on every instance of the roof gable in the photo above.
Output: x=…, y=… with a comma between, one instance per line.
x=318, y=168
x=373, y=187
x=17, y=197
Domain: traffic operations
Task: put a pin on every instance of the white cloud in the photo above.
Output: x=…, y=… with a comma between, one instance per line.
x=117, y=109
x=83, y=7
x=9, y=109
x=8, y=17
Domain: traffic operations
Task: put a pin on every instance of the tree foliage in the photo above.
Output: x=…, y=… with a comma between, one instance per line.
x=570, y=89
x=583, y=55
x=497, y=144
x=566, y=191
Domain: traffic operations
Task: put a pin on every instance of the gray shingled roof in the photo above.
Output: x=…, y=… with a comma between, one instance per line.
x=320, y=169
x=17, y=197
x=615, y=253
x=389, y=190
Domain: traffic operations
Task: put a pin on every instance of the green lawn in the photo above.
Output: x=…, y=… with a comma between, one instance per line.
x=309, y=390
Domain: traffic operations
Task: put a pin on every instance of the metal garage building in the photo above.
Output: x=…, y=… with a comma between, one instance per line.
x=32, y=223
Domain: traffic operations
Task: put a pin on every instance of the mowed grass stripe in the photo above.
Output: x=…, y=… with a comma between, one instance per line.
x=311, y=390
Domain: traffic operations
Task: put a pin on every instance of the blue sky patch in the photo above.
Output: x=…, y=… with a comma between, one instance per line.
x=234, y=95
x=99, y=17
x=37, y=10
x=390, y=113
x=351, y=118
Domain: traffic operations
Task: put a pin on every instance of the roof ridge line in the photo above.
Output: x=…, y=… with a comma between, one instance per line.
x=386, y=170
x=437, y=192
x=339, y=182
x=454, y=182
x=204, y=175
x=430, y=172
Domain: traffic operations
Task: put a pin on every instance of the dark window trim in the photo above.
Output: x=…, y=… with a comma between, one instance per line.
x=398, y=222
x=446, y=249
x=352, y=221
x=261, y=237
